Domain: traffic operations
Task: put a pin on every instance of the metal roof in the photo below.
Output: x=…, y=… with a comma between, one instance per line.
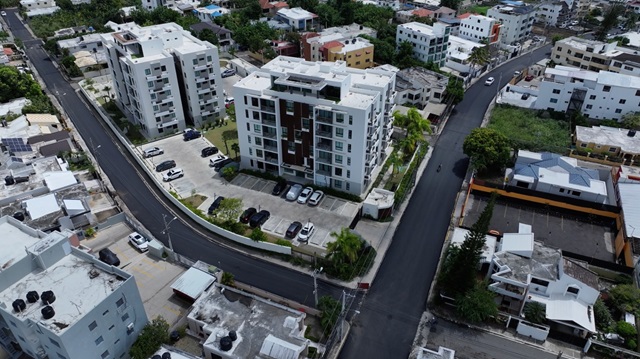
x=193, y=282
x=630, y=198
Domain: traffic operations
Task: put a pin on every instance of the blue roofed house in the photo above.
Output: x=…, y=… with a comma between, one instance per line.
x=558, y=175
x=209, y=12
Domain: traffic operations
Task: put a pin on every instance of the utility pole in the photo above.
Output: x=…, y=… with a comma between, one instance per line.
x=315, y=284
x=166, y=229
x=498, y=88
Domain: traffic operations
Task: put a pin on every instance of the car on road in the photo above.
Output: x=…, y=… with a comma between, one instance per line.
x=259, y=218
x=228, y=73
x=315, y=198
x=516, y=73
x=107, y=256
x=306, y=232
x=246, y=215
x=304, y=195
x=209, y=151
x=294, y=192
x=165, y=165
x=280, y=187
x=138, y=241
x=191, y=135
x=3, y=13
x=215, y=205
x=489, y=81
x=220, y=165
x=152, y=152
x=173, y=174
x=217, y=159
x=293, y=230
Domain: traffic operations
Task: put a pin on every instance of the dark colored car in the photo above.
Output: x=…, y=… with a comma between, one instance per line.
x=524, y=96
x=293, y=230
x=190, y=135
x=208, y=151
x=221, y=164
x=107, y=256
x=246, y=215
x=279, y=188
x=214, y=205
x=166, y=165
x=259, y=218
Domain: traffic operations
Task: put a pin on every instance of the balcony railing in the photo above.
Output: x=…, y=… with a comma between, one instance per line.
x=269, y=134
x=271, y=159
x=271, y=109
x=324, y=146
x=269, y=122
x=270, y=148
x=326, y=134
x=324, y=119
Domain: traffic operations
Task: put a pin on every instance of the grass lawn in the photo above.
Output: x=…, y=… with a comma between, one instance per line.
x=195, y=200
x=215, y=136
x=477, y=9
x=530, y=132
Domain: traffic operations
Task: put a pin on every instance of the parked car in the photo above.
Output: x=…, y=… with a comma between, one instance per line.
x=107, y=256
x=215, y=205
x=293, y=230
x=258, y=219
x=315, y=198
x=165, y=165
x=306, y=232
x=489, y=81
x=279, y=188
x=215, y=160
x=173, y=174
x=524, y=96
x=228, y=72
x=3, y=13
x=304, y=195
x=208, y=151
x=294, y=192
x=139, y=241
x=246, y=215
x=190, y=135
x=151, y=152
x=218, y=166
x=516, y=73
x=229, y=101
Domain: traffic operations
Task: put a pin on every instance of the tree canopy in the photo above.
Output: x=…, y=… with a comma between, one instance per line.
x=477, y=304
x=152, y=336
x=631, y=121
x=487, y=149
x=626, y=298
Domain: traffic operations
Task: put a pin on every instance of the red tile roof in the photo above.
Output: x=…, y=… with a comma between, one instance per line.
x=464, y=16
x=422, y=12
x=7, y=51
x=331, y=44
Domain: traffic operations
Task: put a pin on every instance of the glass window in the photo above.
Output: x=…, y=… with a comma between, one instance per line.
x=93, y=325
x=289, y=105
x=54, y=342
x=150, y=84
x=337, y=183
x=306, y=123
x=258, y=141
x=339, y=146
x=348, y=174
x=120, y=302
x=147, y=72
x=257, y=128
x=554, y=100
x=195, y=61
x=99, y=340
x=209, y=59
x=339, y=159
x=339, y=118
x=259, y=153
x=339, y=132
x=249, y=138
x=284, y=131
x=250, y=152
x=349, y=148
x=348, y=161
x=105, y=355
x=338, y=171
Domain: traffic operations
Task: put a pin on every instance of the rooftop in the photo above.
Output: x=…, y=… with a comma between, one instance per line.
x=417, y=78
x=297, y=13
x=630, y=198
x=78, y=285
x=579, y=271
x=543, y=264
x=425, y=29
x=513, y=9
x=442, y=353
x=610, y=136
x=593, y=46
x=16, y=237
x=620, y=80
x=460, y=234
x=80, y=40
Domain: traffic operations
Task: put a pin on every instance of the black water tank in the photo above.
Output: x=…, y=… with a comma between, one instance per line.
x=9, y=180
x=48, y=297
x=166, y=355
x=21, y=179
x=19, y=305
x=226, y=344
x=631, y=133
x=32, y=296
x=233, y=335
x=48, y=312
x=19, y=216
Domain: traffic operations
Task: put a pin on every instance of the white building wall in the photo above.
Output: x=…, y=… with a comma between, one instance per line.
x=586, y=294
x=515, y=26
x=476, y=28
x=430, y=43
x=37, y=4
x=548, y=13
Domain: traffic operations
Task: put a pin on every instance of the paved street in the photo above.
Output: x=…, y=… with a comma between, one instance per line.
x=389, y=317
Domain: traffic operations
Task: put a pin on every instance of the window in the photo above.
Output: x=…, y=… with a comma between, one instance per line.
x=583, y=145
x=348, y=174
x=606, y=88
x=556, y=91
x=618, y=110
x=54, y=342
x=637, y=92
x=125, y=317
x=258, y=153
x=120, y=302
x=573, y=290
x=250, y=152
x=561, y=190
x=93, y=325
x=291, y=147
x=337, y=183
x=150, y=84
x=257, y=128
x=350, y=134
x=339, y=159
x=284, y=131
x=554, y=100
x=195, y=61
x=592, y=97
x=539, y=282
x=576, y=193
x=297, y=135
x=339, y=132
x=306, y=124
x=589, y=107
x=106, y=352
x=111, y=327
x=249, y=138
x=348, y=161
x=622, y=102
x=147, y=72
x=99, y=340
x=613, y=149
x=289, y=105
x=349, y=148
x=338, y=171
x=208, y=58
x=339, y=118
x=248, y=127
x=339, y=146
x=258, y=141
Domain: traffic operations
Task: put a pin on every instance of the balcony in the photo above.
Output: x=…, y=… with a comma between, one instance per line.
x=270, y=148
x=327, y=146
x=322, y=133
x=324, y=172
x=271, y=123
x=270, y=109
x=323, y=157
x=269, y=134
x=271, y=159
x=322, y=119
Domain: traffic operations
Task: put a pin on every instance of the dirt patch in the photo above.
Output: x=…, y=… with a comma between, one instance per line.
x=195, y=200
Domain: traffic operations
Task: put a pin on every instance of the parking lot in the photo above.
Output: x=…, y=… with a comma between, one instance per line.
x=574, y=232
x=330, y=215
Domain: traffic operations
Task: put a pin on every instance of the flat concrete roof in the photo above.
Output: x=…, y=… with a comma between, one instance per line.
x=610, y=136
x=14, y=240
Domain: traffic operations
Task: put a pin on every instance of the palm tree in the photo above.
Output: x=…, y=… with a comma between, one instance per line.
x=535, y=312
x=346, y=246
x=236, y=148
x=395, y=161
x=478, y=56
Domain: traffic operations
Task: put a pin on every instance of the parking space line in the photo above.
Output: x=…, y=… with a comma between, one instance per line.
x=176, y=312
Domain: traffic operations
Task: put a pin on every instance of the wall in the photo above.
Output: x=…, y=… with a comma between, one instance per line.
x=535, y=332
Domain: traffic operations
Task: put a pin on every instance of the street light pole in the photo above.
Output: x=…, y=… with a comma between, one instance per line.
x=166, y=229
x=315, y=283
x=498, y=88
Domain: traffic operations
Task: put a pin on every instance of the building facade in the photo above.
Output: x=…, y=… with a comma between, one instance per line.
x=312, y=42
x=458, y=54
x=516, y=22
x=357, y=53
x=297, y=18
x=60, y=302
x=164, y=78
x=586, y=54
x=430, y=43
x=479, y=28
x=321, y=122
x=417, y=86
x=610, y=141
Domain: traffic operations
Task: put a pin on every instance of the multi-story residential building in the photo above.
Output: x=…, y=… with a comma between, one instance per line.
x=297, y=18
x=171, y=4
x=598, y=95
x=270, y=8
x=164, y=77
x=312, y=42
x=516, y=22
x=458, y=55
x=596, y=55
x=322, y=122
x=557, y=13
x=634, y=6
x=479, y=28
x=394, y=4
x=417, y=86
x=432, y=12
x=610, y=141
x=60, y=302
x=430, y=43
x=356, y=52
x=88, y=42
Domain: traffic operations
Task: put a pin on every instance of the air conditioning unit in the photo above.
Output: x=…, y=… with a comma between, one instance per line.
x=130, y=327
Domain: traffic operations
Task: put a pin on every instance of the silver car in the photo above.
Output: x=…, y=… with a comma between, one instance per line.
x=294, y=192
x=304, y=195
x=151, y=152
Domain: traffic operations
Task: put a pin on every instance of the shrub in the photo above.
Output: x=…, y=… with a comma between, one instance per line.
x=401, y=192
x=89, y=232
x=258, y=235
x=152, y=336
x=228, y=279
x=284, y=242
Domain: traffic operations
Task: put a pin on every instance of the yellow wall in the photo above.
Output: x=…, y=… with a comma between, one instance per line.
x=352, y=58
x=604, y=149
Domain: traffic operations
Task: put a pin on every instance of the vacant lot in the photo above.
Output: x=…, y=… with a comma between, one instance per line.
x=530, y=132
x=214, y=135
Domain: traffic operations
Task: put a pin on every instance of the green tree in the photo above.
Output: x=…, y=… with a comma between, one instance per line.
x=602, y=315
x=258, y=235
x=626, y=298
x=477, y=304
x=330, y=310
x=455, y=89
x=228, y=279
x=535, y=312
x=487, y=149
x=227, y=136
x=152, y=336
x=328, y=15
x=236, y=148
x=628, y=332
x=452, y=4
x=395, y=161
x=631, y=120
x=229, y=172
x=345, y=248
x=208, y=35
x=229, y=209
x=404, y=58
x=415, y=126
x=555, y=39
x=609, y=21
x=479, y=57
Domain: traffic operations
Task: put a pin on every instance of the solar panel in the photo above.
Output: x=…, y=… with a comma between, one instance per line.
x=16, y=159
x=16, y=145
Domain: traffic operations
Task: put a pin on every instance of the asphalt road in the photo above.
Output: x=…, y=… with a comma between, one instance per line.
x=389, y=316
x=147, y=204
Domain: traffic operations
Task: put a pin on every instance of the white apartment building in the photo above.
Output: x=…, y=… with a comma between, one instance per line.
x=60, y=302
x=595, y=55
x=322, y=122
x=430, y=43
x=164, y=77
x=479, y=28
x=458, y=54
x=171, y=4
x=598, y=95
x=516, y=22
x=39, y=7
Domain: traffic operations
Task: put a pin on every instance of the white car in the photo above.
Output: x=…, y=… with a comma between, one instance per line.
x=216, y=159
x=3, y=13
x=306, y=232
x=304, y=195
x=153, y=151
x=315, y=198
x=139, y=241
x=173, y=174
x=489, y=81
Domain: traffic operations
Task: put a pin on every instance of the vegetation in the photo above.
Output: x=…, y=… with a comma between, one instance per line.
x=415, y=126
x=228, y=279
x=347, y=257
x=535, y=312
x=477, y=304
x=330, y=310
x=626, y=298
x=487, y=149
x=628, y=332
x=14, y=85
x=478, y=9
x=603, y=317
x=258, y=235
x=631, y=120
x=405, y=183
x=609, y=22
x=479, y=56
x=89, y=232
x=69, y=64
x=229, y=210
x=152, y=336
x=455, y=89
